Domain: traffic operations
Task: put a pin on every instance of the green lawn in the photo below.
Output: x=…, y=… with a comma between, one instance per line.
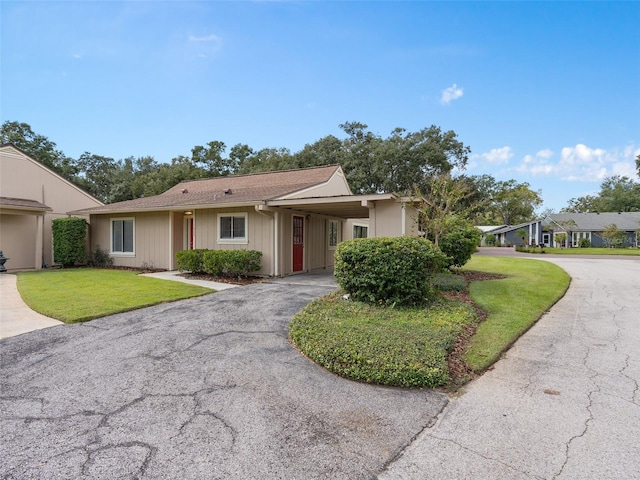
x=408, y=347
x=593, y=251
x=514, y=303
x=404, y=347
x=78, y=295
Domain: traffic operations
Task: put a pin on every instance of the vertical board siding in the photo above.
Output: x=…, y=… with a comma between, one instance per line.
x=259, y=229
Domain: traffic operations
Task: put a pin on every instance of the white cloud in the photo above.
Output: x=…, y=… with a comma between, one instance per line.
x=206, y=38
x=205, y=46
x=498, y=156
x=581, y=163
x=452, y=93
x=546, y=153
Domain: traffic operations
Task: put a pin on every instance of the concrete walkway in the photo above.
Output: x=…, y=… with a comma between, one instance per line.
x=15, y=316
x=174, y=275
x=563, y=403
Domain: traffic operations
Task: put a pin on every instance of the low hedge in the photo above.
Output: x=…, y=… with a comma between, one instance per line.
x=226, y=263
x=389, y=271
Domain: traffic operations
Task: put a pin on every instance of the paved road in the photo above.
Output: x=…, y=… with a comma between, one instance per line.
x=564, y=403
x=199, y=389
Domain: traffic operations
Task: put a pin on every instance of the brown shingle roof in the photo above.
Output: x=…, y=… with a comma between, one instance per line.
x=23, y=203
x=240, y=189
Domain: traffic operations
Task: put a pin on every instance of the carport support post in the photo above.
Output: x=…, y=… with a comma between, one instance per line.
x=371, y=205
x=39, y=242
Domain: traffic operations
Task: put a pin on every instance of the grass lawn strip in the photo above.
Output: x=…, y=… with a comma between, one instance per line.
x=404, y=347
x=513, y=304
x=591, y=251
x=78, y=295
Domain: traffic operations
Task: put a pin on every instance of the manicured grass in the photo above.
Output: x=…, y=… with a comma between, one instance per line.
x=513, y=304
x=78, y=295
x=404, y=347
x=408, y=347
x=593, y=251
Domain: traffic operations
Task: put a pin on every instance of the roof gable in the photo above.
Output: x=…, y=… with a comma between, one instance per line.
x=11, y=152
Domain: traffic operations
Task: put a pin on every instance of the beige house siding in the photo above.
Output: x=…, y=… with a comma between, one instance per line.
x=23, y=177
x=21, y=248
x=392, y=218
x=259, y=232
x=151, y=239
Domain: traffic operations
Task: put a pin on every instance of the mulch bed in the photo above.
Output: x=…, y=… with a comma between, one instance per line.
x=458, y=369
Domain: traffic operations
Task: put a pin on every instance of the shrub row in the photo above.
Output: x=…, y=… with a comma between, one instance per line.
x=227, y=263
x=389, y=271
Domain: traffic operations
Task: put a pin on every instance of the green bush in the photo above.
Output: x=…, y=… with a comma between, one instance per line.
x=190, y=260
x=99, y=259
x=69, y=241
x=585, y=243
x=490, y=241
x=388, y=270
x=228, y=263
x=448, y=282
x=460, y=244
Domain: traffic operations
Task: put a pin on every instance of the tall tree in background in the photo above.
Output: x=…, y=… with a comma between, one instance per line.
x=514, y=202
x=617, y=194
x=507, y=202
x=426, y=160
x=38, y=146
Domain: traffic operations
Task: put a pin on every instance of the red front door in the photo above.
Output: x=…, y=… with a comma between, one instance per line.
x=298, y=243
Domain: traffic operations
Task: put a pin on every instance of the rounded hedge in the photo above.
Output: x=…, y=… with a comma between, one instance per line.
x=389, y=271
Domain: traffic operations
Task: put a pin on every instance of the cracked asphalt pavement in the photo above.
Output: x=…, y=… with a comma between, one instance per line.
x=202, y=388
x=210, y=388
x=563, y=403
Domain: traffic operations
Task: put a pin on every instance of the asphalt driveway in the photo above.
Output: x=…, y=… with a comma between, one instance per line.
x=201, y=388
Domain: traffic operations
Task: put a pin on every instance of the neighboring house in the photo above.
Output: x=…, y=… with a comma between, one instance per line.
x=579, y=226
x=295, y=218
x=487, y=231
x=576, y=226
x=31, y=196
x=508, y=235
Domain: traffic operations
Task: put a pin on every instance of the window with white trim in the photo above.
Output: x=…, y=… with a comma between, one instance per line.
x=360, y=231
x=122, y=236
x=232, y=228
x=333, y=233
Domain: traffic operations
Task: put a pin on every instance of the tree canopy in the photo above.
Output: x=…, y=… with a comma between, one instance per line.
x=617, y=194
x=429, y=162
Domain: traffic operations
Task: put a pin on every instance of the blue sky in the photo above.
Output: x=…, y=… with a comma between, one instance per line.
x=542, y=92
